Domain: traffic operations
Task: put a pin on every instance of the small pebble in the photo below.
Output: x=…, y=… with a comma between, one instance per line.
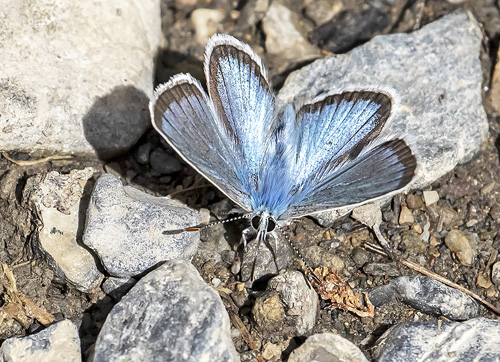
x=430, y=197
x=463, y=244
x=484, y=281
x=268, y=312
x=216, y=282
x=271, y=352
x=413, y=242
x=142, y=153
x=163, y=163
x=414, y=201
x=204, y=216
x=205, y=23
x=405, y=216
x=381, y=269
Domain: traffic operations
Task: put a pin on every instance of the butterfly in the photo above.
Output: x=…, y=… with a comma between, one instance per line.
x=280, y=161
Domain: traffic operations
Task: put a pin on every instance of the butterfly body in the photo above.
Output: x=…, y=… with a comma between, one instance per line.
x=280, y=161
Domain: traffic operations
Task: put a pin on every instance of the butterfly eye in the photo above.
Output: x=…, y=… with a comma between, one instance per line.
x=256, y=222
x=271, y=225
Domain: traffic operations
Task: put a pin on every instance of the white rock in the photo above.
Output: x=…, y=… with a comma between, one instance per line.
x=76, y=75
x=59, y=342
x=430, y=197
x=283, y=38
x=206, y=23
x=59, y=199
x=125, y=228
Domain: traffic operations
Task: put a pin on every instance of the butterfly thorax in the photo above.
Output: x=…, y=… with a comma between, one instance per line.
x=263, y=222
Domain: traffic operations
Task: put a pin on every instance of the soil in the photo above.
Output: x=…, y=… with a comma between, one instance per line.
x=469, y=196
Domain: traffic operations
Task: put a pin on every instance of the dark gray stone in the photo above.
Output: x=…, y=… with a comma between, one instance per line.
x=163, y=163
x=169, y=315
x=125, y=228
x=427, y=295
x=475, y=340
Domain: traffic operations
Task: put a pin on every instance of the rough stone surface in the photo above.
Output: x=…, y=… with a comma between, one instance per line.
x=475, y=340
x=125, y=228
x=76, y=76
x=428, y=296
x=327, y=347
x=170, y=313
x=59, y=342
x=268, y=312
x=265, y=260
x=300, y=300
x=282, y=36
x=116, y=288
x=441, y=111
x=61, y=201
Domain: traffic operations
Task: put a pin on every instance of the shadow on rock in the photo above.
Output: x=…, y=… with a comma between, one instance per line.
x=116, y=121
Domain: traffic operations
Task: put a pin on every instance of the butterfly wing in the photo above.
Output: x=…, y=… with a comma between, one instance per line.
x=238, y=86
x=339, y=161
x=182, y=113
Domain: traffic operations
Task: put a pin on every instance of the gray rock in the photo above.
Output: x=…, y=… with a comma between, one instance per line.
x=327, y=347
x=125, y=228
x=475, y=340
x=262, y=261
x=215, y=243
x=61, y=201
x=427, y=295
x=59, y=342
x=169, y=315
x=163, y=163
x=116, y=288
x=301, y=301
x=283, y=37
x=76, y=77
x=441, y=110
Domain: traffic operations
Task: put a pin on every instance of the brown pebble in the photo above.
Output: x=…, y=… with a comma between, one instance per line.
x=405, y=216
x=268, y=312
x=463, y=244
x=414, y=201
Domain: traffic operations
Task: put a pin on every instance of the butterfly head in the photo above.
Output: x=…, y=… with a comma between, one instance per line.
x=263, y=222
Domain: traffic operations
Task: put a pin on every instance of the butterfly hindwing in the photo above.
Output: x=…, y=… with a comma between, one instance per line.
x=184, y=116
x=338, y=162
x=380, y=171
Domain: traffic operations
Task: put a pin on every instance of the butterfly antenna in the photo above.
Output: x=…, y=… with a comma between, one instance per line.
x=299, y=254
x=204, y=226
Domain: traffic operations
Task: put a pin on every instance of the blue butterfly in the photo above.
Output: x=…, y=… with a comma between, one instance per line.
x=275, y=161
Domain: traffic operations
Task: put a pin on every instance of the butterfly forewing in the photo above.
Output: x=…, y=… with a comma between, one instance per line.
x=183, y=115
x=238, y=86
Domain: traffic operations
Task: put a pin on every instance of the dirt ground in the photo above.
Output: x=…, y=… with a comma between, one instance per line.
x=469, y=195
